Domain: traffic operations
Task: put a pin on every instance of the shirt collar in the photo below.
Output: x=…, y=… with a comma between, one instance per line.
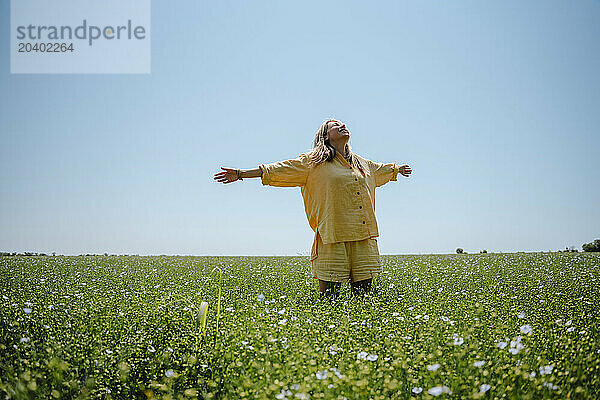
x=342, y=159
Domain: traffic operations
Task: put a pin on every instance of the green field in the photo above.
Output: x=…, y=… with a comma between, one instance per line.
x=447, y=326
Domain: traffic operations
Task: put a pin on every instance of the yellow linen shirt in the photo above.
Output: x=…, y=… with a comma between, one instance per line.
x=339, y=201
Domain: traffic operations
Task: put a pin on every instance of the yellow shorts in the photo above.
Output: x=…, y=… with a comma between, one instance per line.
x=345, y=261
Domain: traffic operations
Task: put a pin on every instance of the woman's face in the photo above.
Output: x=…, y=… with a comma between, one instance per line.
x=337, y=132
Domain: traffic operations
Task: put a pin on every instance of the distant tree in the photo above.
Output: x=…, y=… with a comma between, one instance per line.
x=592, y=247
x=459, y=251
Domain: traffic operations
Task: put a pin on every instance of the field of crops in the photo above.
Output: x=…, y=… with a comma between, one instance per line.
x=449, y=326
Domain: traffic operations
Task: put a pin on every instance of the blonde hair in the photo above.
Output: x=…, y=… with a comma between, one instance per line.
x=323, y=150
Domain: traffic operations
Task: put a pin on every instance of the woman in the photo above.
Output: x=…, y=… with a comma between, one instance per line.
x=338, y=188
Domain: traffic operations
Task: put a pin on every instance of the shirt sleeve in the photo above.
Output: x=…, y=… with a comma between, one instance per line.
x=286, y=173
x=384, y=172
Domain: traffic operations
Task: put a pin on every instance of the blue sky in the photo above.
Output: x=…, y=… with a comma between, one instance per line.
x=493, y=104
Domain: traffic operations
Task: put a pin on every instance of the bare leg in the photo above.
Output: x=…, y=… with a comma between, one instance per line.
x=329, y=289
x=361, y=287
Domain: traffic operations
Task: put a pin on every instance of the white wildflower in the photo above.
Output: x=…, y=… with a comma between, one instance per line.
x=336, y=372
x=457, y=339
x=515, y=345
x=283, y=395
x=433, y=367
x=546, y=370
x=437, y=390
x=526, y=329
x=321, y=374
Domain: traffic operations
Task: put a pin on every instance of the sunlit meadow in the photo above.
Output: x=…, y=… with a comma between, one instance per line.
x=511, y=326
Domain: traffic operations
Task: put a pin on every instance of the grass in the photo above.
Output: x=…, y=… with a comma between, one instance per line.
x=513, y=326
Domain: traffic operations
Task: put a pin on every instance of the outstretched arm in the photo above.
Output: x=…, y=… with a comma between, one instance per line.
x=229, y=175
x=388, y=172
x=293, y=172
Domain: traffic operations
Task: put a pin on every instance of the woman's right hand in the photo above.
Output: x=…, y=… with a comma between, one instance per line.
x=228, y=175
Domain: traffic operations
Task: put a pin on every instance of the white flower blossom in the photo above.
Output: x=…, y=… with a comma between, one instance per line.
x=437, y=390
x=433, y=367
x=457, y=340
x=546, y=370
x=515, y=345
x=283, y=395
x=526, y=329
x=321, y=374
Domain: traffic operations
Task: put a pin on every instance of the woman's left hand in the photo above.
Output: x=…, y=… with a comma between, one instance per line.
x=405, y=170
